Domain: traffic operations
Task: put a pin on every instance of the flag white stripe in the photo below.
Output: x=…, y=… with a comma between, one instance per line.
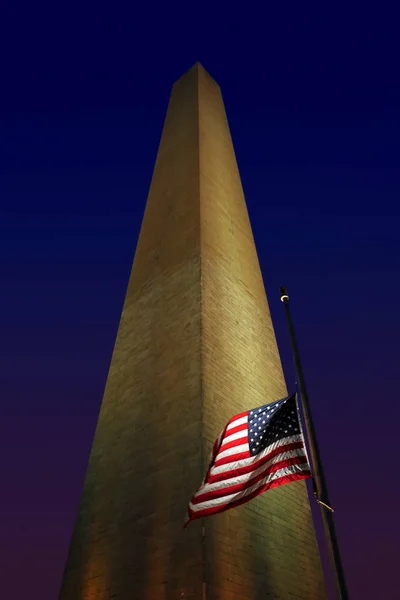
x=238, y=464
x=235, y=436
x=239, y=495
x=234, y=450
x=220, y=485
x=237, y=422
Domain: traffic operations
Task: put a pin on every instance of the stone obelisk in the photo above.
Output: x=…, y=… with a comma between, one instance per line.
x=195, y=346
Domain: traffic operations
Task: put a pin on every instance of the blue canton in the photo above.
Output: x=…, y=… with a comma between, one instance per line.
x=272, y=422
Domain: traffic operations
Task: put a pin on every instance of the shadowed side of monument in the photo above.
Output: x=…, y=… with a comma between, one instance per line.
x=146, y=458
x=195, y=346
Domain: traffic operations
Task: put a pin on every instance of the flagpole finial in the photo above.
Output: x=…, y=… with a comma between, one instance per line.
x=284, y=294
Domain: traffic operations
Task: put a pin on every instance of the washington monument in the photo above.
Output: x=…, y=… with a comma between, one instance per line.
x=195, y=345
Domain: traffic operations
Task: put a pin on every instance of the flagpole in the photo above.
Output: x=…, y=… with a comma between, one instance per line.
x=321, y=490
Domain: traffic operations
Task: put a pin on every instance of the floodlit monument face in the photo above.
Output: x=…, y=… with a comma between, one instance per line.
x=195, y=346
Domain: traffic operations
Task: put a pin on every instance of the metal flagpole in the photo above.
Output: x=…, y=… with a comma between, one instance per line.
x=320, y=487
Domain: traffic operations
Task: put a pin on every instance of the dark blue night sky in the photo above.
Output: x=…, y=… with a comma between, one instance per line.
x=313, y=102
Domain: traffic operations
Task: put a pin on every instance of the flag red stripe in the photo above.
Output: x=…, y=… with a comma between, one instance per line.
x=233, y=457
x=233, y=443
x=239, y=487
x=236, y=429
x=252, y=466
x=268, y=486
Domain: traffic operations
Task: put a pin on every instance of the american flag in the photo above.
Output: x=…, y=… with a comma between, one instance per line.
x=259, y=449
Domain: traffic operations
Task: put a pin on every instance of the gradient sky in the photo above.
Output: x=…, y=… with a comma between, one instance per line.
x=313, y=102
